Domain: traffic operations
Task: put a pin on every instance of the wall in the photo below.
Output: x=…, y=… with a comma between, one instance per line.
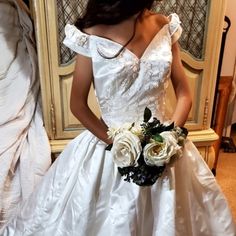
x=229, y=65
x=230, y=46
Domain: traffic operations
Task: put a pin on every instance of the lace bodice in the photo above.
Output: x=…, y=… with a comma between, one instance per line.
x=127, y=84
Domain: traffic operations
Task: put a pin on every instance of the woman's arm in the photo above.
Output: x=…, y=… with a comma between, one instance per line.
x=181, y=87
x=82, y=80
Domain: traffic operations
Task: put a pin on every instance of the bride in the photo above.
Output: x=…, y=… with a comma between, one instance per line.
x=130, y=55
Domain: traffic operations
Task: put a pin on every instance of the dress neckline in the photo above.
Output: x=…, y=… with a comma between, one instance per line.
x=102, y=38
x=127, y=49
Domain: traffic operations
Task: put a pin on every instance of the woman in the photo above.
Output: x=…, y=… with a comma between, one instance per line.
x=129, y=54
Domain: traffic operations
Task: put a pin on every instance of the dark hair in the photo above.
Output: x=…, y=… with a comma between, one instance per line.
x=110, y=12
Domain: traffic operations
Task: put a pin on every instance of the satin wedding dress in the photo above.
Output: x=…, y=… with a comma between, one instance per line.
x=84, y=195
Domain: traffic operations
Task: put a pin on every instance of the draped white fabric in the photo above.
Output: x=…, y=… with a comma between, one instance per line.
x=24, y=146
x=84, y=195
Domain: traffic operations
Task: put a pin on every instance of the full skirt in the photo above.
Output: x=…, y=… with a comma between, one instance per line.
x=83, y=194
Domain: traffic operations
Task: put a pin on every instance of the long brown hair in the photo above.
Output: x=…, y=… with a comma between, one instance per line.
x=110, y=12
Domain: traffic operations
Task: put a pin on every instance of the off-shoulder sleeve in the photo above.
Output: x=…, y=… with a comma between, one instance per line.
x=77, y=40
x=175, y=27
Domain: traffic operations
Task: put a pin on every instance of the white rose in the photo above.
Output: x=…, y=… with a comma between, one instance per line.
x=126, y=149
x=113, y=131
x=159, y=153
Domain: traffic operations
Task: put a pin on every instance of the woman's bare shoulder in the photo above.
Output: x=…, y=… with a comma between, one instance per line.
x=96, y=30
x=153, y=18
x=159, y=19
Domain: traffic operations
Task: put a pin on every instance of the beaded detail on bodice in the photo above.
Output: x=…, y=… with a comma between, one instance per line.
x=125, y=85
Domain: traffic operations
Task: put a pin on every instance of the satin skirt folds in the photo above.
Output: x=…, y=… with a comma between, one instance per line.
x=25, y=153
x=83, y=195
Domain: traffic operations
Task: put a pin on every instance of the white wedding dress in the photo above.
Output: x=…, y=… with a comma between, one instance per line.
x=83, y=194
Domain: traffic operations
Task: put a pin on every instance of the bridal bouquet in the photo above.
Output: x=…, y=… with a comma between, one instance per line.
x=141, y=151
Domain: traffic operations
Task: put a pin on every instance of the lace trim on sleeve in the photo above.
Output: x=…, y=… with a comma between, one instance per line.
x=77, y=40
x=174, y=27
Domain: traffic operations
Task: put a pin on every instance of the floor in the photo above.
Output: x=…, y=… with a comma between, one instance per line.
x=226, y=175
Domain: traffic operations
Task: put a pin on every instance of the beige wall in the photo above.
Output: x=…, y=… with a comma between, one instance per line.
x=228, y=66
x=230, y=47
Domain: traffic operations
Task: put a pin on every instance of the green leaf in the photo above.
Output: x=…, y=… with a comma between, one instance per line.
x=109, y=147
x=132, y=125
x=158, y=138
x=147, y=114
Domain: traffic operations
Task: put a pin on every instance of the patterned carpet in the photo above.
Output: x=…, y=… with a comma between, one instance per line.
x=226, y=176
